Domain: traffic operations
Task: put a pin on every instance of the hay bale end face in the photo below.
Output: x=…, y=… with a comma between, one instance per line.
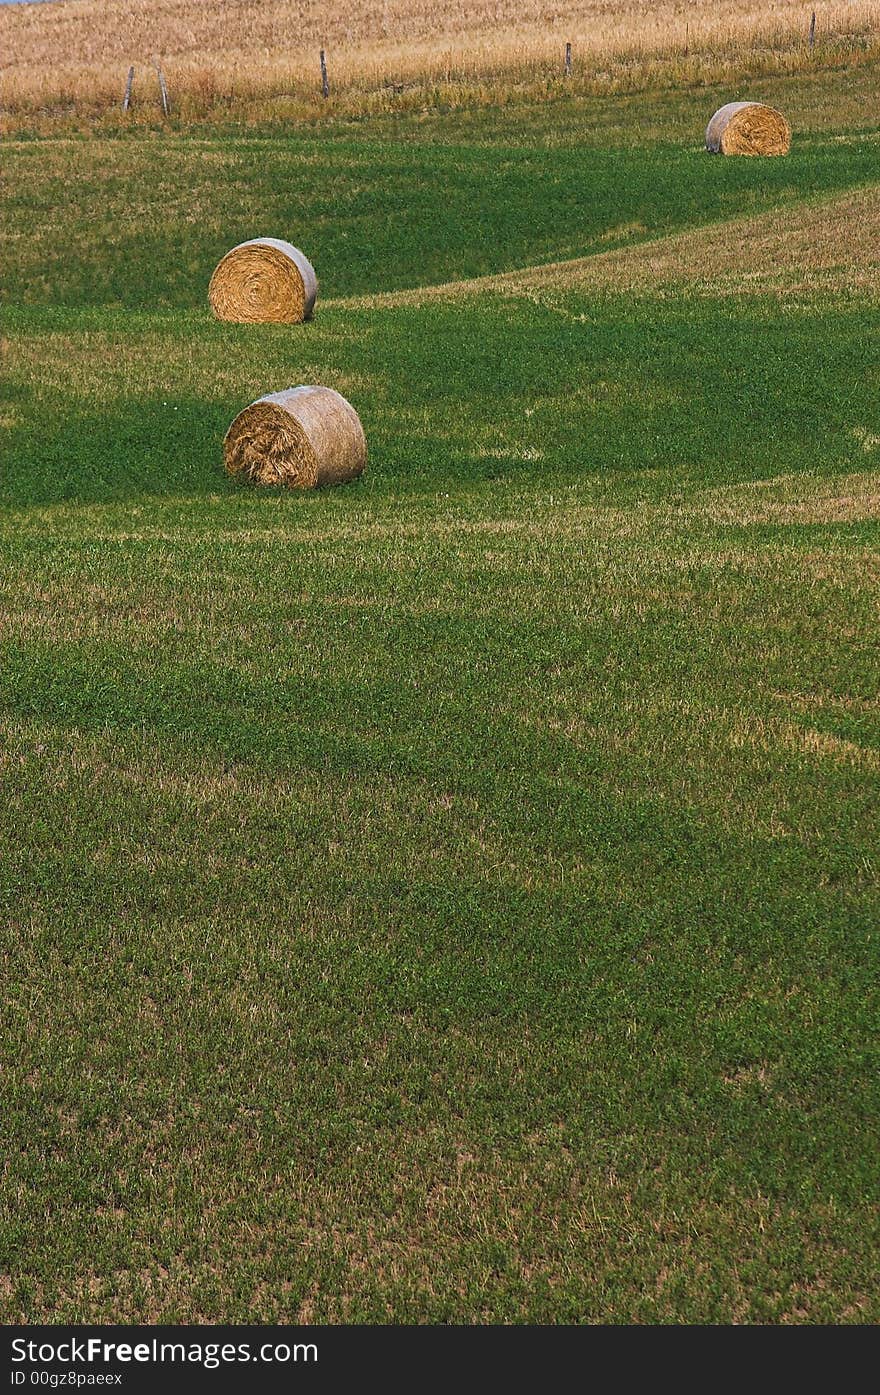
x=748, y=128
x=303, y=437
x=264, y=280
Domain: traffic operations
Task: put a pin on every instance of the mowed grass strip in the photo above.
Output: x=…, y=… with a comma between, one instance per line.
x=820, y=245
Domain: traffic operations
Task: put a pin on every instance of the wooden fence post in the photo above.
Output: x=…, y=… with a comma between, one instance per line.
x=126, y=101
x=567, y=69
x=325, y=81
x=812, y=29
x=163, y=92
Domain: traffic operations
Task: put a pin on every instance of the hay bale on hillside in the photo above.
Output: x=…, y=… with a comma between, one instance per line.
x=263, y=280
x=748, y=128
x=302, y=437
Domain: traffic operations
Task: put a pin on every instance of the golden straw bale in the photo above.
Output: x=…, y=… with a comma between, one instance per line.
x=748, y=128
x=263, y=280
x=302, y=438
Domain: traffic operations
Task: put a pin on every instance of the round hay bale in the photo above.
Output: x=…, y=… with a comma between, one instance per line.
x=263, y=280
x=302, y=437
x=748, y=128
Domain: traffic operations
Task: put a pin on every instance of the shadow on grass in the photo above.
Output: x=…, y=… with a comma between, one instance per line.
x=695, y=391
x=139, y=446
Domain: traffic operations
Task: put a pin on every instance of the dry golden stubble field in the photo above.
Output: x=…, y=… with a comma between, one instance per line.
x=222, y=51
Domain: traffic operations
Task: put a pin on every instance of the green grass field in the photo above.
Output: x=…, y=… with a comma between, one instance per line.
x=453, y=897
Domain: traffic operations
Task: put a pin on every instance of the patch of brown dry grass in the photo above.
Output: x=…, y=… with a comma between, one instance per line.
x=798, y=499
x=827, y=245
